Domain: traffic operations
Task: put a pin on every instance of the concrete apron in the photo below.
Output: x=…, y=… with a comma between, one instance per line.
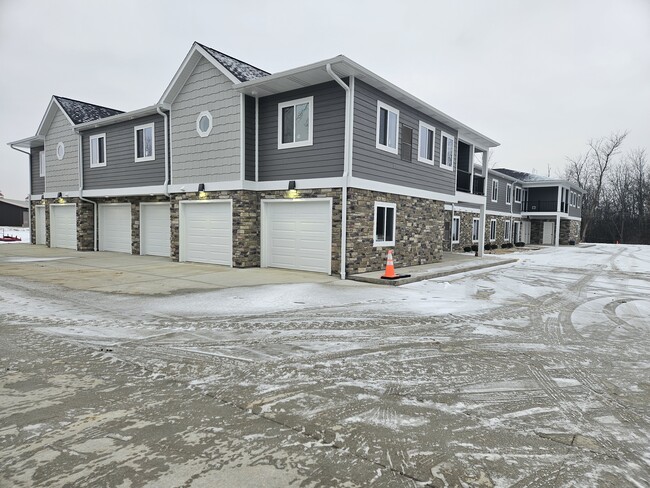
x=128, y=274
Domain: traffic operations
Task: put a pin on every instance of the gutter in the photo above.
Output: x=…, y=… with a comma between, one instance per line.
x=166, y=183
x=347, y=159
x=81, y=188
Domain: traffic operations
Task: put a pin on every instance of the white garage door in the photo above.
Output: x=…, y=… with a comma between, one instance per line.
x=206, y=232
x=154, y=229
x=40, y=224
x=297, y=235
x=63, y=226
x=115, y=227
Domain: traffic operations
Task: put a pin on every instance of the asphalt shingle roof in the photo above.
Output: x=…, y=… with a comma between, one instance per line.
x=240, y=70
x=522, y=175
x=80, y=112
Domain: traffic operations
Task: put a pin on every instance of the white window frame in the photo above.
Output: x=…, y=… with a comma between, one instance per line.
x=60, y=151
x=476, y=224
x=41, y=164
x=90, y=150
x=200, y=132
x=444, y=165
x=383, y=147
x=456, y=227
x=151, y=126
x=310, y=136
x=507, y=231
x=516, y=236
x=578, y=200
x=493, y=230
x=375, y=242
x=518, y=190
x=508, y=194
x=495, y=188
x=424, y=159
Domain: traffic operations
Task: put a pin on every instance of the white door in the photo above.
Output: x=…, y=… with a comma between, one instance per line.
x=525, y=232
x=63, y=225
x=154, y=229
x=516, y=233
x=206, y=232
x=297, y=234
x=39, y=217
x=115, y=227
x=547, y=236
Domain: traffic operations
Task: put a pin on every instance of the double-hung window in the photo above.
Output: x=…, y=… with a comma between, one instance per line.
x=41, y=164
x=447, y=144
x=144, y=142
x=384, y=232
x=508, y=193
x=493, y=230
x=296, y=123
x=387, y=124
x=517, y=194
x=426, y=143
x=455, y=230
x=475, y=229
x=506, y=231
x=97, y=150
x=495, y=190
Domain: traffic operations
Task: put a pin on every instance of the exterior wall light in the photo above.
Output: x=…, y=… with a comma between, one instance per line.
x=201, y=186
x=292, y=185
x=202, y=194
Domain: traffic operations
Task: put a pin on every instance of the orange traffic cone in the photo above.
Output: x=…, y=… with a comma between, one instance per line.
x=390, y=268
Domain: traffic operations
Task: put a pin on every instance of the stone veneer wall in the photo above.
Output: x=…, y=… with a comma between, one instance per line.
x=418, y=232
x=569, y=231
x=465, y=236
x=536, y=231
x=501, y=226
x=84, y=216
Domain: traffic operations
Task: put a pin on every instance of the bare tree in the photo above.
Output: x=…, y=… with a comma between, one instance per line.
x=589, y=171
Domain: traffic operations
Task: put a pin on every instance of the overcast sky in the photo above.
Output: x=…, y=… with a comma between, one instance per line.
x=540, y=77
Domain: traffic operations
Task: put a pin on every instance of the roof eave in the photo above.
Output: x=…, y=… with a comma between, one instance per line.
x=29, y=142
x=114, y=119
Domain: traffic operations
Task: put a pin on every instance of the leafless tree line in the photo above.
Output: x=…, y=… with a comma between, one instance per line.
x=616, y=203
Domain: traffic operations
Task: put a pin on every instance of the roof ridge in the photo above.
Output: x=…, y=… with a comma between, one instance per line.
x=88, y=103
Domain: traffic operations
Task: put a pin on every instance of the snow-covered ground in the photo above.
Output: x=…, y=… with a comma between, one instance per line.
x=21, y=232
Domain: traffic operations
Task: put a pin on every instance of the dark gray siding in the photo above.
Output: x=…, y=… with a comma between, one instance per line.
x=38, y=182
x=323, y=159
x=121, y=170
x=575, y=211
x=249, y=141
x=516, y=207
x=500, y=205
x=374, y=164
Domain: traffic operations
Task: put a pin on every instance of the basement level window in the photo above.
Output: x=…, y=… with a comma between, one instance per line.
x=455, y=230
x=384, y=232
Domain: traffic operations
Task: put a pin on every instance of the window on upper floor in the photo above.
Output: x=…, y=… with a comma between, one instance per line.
x=384, y=232
x=426, y=144
x=295, y=123
x=495, y=190
x=41, y=164
x=455, y=230
x=475, y=229
x=447, y=144
x=387, y=124
x=97, y=150
x=204, y=124
x=508, y=193
x=578, y=201
x=517, y=194
x=493, y=230
x=60, y=151
x=144, y=142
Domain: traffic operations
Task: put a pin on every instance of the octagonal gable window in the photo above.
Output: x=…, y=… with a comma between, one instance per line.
x=60, y=151
x=204, y=124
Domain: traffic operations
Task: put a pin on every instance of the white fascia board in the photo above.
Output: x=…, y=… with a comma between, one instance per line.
x=548, y=215
x=458, y=208
x=542, y=184
x=505, y=177
x=192, y=58
x=305, y=184
x=114, y=119
x=28, y=142
x=378, y=186
x=503, y=214
x=124, y=192
x=470, y=198
x=49, y=116
x=36, y=196
x=66, y=194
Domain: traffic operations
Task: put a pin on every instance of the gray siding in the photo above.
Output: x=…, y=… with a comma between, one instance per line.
x=249, y=141
x=38, y=182
x=374, y=164
x=500, y=205
x=61, y=175
x=575, y=211
x=324, y=158
x=516, y=207
x=217, y=156
x=121, y=170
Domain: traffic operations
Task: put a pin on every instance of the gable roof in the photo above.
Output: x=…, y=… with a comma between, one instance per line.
x=15, y=203
x=79, y=112
x=241, y=70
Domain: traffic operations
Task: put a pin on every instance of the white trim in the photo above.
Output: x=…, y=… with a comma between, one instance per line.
x=520, y=193
x=264, y=243
x=310, y=132
x=492, y=239
x=181, y=227
x=41, y=164
x=90, y=149
x=455, y=218
x=375, y=242
x=478, y=229
x=199, y=131
x=242, y=137
x=389, y=109
x=470, y=198
x=48, y=117
x=422, y=159
x=363, y=184
x=508, y=193
x=507, y=226
x=453, y=139
x=124, y=192
x=546, y=215
x=143, y=127
x=461, y=209
x=60, y=151
x=495, y=185
x=502, y=214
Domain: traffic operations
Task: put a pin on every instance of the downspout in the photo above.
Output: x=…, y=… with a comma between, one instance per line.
x=81, y=188
x=346, y=164
x=30, y=186
x=451, y=239
x=166, y=183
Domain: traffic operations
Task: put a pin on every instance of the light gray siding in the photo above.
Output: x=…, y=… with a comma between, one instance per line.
x=38, y=182
x=61, y=175
x=249, y=141
x=324, y=158
x=500, y=205
x=121, y=170
x=378, y=165
x=217, y=156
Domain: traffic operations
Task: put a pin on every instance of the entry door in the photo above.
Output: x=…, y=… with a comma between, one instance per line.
x=548, y=237
x=525, y=232
x=516, y=237
x=40, y=224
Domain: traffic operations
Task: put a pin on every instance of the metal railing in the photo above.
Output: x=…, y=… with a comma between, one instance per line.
x=543, y=206
x=464, y=180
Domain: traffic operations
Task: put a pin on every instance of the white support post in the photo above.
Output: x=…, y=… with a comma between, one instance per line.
x=471, y=168
x=481, y=230
x=557, y=231
x=560, y=195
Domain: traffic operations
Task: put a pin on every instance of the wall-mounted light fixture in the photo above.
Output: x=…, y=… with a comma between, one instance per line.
x=59, y=195
x=202, y=194
x=201, y=186
x=59, y=198
x=292, y=185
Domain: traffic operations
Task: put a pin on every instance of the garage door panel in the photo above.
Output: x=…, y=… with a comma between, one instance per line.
x=155, y=233
x=207, y=232
x=115, y=228
x=63, y=226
